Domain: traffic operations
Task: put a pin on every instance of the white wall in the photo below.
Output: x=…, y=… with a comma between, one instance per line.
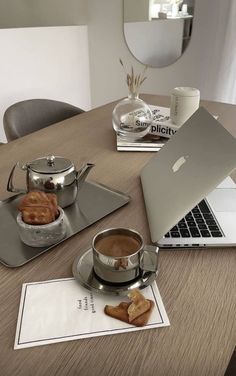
x=136, y=10
x=34, y=13
x=200, y=66
x=47, y=62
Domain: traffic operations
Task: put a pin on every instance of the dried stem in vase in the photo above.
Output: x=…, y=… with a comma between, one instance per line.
x=134, y=81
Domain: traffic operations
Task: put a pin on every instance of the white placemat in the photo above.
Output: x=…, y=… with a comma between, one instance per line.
x=62, y=310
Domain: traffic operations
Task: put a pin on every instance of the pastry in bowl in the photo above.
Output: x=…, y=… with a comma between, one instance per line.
x=40, y=220
x=39, y=208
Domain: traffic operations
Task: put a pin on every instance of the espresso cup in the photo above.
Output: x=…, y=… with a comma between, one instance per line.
x=120, y=256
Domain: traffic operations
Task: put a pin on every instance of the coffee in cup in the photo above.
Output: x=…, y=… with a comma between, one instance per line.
x=118, y=245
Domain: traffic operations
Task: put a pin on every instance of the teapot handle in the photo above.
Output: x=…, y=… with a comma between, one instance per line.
x=10, y=185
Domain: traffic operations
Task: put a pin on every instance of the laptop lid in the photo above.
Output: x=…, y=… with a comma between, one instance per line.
x=190, y=165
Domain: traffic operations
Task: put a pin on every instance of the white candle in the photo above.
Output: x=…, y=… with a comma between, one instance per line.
x=184, y=9
x=175, y=10
x=184, y=102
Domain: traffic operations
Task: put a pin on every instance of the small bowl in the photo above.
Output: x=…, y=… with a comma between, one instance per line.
x=42, y=235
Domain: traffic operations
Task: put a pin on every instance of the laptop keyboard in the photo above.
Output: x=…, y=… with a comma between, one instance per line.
x=200, y=222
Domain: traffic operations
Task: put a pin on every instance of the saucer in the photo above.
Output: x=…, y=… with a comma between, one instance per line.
x=83, y=272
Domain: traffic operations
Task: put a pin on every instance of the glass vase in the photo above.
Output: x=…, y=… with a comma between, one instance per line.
x=132, y=118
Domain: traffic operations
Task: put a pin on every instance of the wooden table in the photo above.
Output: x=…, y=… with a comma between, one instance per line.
x=197, y=286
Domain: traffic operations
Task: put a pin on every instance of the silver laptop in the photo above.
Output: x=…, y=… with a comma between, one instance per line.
x=189, y=203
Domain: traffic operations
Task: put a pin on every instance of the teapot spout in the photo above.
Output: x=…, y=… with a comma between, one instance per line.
x=83, y=173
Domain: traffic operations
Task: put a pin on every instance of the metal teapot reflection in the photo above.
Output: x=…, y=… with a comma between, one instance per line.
x=53, y=175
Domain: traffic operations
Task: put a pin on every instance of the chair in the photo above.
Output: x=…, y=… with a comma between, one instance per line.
x=31, y=115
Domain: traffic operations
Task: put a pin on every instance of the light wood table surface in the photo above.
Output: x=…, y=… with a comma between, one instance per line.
x=197, y=286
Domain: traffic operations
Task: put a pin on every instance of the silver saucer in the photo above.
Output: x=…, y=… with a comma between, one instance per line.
x=82, y=269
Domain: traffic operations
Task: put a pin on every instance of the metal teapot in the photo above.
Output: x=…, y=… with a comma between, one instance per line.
x=53, y=175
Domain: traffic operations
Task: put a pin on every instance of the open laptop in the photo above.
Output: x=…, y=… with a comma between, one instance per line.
x=183, y=205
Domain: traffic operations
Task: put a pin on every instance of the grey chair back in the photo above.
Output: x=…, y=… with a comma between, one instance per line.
x=31, y=115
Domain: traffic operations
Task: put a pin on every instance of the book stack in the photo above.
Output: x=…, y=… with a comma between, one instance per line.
x=161, y=130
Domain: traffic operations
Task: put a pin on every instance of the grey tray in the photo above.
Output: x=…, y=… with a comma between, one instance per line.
x=94, y=202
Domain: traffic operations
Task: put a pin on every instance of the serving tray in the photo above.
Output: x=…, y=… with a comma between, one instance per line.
x=94, y=202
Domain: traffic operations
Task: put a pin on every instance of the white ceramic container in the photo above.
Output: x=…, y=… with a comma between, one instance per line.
x=42, y=235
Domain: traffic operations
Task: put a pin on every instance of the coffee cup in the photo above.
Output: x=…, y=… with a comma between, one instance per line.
x=120, y=256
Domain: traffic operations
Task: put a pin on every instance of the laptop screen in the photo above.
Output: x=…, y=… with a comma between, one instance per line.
x=189, y=166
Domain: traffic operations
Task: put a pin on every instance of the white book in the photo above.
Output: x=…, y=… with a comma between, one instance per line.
x=147, y=143
x=162, y=125
x=162, y=129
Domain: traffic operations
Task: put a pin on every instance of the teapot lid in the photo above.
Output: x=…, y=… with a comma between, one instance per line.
x=50, y=165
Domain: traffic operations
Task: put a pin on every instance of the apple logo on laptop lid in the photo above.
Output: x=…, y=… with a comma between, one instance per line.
x=179, y=163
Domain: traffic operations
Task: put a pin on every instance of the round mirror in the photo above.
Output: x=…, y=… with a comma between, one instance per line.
x=157, y=32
